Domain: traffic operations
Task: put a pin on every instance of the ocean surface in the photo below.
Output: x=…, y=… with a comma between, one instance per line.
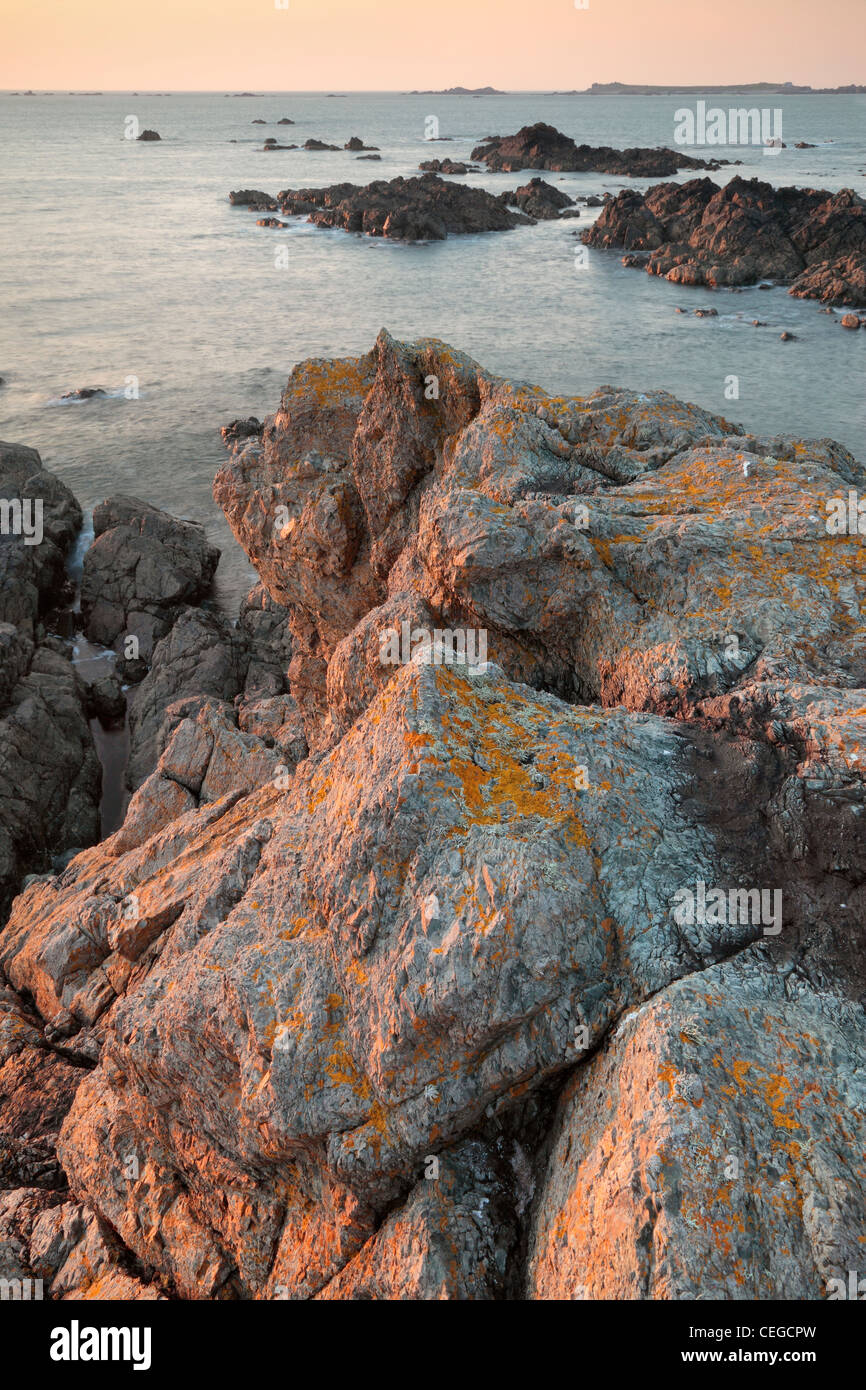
x=123, y=266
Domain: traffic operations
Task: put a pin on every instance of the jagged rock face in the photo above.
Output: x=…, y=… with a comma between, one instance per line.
x=49, y=773
x=542, y=146
x=206, y=657
x=420, y=1014
x=625, y=547
x=32, y=556
x=144, y=566
x=699, y=234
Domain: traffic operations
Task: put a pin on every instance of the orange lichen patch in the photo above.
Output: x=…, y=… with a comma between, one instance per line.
x=774, y=1090
x=331, y=382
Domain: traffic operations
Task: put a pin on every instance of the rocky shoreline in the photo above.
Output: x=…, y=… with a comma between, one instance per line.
x=401, y=975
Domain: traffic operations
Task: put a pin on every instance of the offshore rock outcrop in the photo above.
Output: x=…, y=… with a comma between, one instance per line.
x=699, y=234
x=542, y=146
x=416, y=209
x=416, y=1014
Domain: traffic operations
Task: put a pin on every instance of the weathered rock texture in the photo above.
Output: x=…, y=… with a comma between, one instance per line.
x=542, y=146
x=142, y=569
x=49, y=774
x=416, y=1015
x=699, y=234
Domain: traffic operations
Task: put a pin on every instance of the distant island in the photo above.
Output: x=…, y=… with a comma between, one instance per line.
x=604, y=89
x=461, y=92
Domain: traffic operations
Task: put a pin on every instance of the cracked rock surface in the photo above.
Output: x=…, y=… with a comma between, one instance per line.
x=389, y=992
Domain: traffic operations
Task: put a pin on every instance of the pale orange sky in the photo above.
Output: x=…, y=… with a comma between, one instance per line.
x=396, y=45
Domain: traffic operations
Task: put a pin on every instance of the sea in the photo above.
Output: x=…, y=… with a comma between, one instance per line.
x=124, y=267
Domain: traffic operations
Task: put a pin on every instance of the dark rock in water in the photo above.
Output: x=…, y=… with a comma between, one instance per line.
x=318, y=145
x=143, y=567
x=355, y=144
x=377, y=158
x=416, y=209
x=787, y=337
x=241, y=429
x=850, y=321
x=270, y=222
x=542, y=146
x=804, y=145
x=593, y=201
x=258, y=121
x=83, y=393
x=270, y=145
x=539, y=200
x=106, y=700
x=284, y=120
x=149, y=135
x=747, y=231
x=255, y=199
x=447, y=166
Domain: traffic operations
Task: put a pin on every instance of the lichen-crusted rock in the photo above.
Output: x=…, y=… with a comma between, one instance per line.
x=453, y=923
x=709, y=1151
x=699, y=234
x=541, y=146
x=622, y=547
x=418, y=928
x=140, y=571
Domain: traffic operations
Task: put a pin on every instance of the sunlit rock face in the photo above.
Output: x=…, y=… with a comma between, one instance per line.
x=539, y=975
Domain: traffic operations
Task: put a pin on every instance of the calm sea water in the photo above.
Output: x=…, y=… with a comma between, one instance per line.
x=124, y=260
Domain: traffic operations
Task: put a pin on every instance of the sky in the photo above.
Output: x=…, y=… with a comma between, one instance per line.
x=399, y=45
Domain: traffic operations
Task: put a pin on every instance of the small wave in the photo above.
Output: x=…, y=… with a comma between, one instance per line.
x=100, y=394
